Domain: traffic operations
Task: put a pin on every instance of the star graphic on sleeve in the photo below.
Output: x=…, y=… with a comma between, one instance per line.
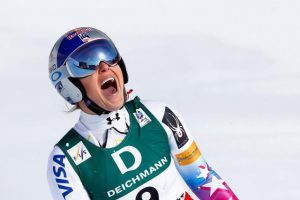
x=214, y=185
x=203, y=172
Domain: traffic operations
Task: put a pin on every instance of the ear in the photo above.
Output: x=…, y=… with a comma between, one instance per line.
x=71, y=90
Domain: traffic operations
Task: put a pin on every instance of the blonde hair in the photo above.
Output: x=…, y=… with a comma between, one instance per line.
x=71, y=109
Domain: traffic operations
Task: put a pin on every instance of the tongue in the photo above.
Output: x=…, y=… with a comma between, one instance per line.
x=110, y=87
x=111, y=90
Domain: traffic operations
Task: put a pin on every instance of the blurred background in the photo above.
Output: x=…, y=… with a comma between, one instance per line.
x=230, y=68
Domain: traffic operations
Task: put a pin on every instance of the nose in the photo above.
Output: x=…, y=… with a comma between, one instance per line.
x=103, y=67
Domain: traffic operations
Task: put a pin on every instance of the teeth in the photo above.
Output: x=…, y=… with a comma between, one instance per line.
x=106, y=80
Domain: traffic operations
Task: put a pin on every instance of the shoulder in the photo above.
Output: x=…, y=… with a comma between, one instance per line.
x=157, y=108
x=56, y=150
x=63, y=180
x=69, y=139
x=57, y=156
x=173, y=123
x=160, y=109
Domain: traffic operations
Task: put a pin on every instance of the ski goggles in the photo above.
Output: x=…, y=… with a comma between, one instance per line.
x=86, y=60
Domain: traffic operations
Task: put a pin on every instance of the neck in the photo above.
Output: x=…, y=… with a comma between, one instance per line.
x=88, y=106
x=106, y=129
x=105, y=121
x=85, y=109
x=98, y=125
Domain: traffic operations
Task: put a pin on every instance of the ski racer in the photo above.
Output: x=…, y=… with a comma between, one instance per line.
x=120, y=148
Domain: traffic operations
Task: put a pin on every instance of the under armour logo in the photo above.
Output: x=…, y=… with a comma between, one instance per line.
x=110, y=120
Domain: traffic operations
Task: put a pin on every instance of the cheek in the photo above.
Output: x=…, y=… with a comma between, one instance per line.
x=119, y=74
x=90, y=84
x=91, y=91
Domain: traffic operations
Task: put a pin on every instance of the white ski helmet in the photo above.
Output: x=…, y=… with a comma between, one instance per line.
x=77, y=54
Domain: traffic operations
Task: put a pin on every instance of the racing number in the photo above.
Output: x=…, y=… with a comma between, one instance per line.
x=142, y=195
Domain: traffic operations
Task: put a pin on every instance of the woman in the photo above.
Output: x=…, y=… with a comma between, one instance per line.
x=119, y=149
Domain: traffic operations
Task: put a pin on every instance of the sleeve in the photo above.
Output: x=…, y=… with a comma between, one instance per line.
x=203, y=181
x=63, y=181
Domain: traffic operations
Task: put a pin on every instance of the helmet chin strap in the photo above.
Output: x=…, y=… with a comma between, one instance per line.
x=94, y=107
x=97, y=109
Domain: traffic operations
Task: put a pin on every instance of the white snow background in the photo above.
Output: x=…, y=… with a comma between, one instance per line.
x=231, y=68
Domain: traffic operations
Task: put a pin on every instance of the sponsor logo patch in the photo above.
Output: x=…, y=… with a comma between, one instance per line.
x=61, y=175
x=77, y=32
x=110, y=120
x=55, y=76
x=52, y=68
x=84, y=37
x=185, y=196
x=79, y=153
x=141, y=117
x=171, y=120
x=188, y=156
x=153, y=170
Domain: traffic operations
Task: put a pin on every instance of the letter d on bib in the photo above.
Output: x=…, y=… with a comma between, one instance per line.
x=133, y=151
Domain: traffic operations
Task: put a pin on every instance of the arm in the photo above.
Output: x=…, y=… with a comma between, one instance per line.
x=199, y=176
x=63, y=181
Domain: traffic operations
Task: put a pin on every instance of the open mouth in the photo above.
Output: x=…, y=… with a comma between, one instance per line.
x=109, y=85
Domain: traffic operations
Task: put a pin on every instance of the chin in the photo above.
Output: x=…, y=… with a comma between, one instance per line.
x=111, y=95
x=113, y=108
x=114, y=104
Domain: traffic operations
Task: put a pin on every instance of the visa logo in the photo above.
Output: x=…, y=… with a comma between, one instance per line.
x=61, y=175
